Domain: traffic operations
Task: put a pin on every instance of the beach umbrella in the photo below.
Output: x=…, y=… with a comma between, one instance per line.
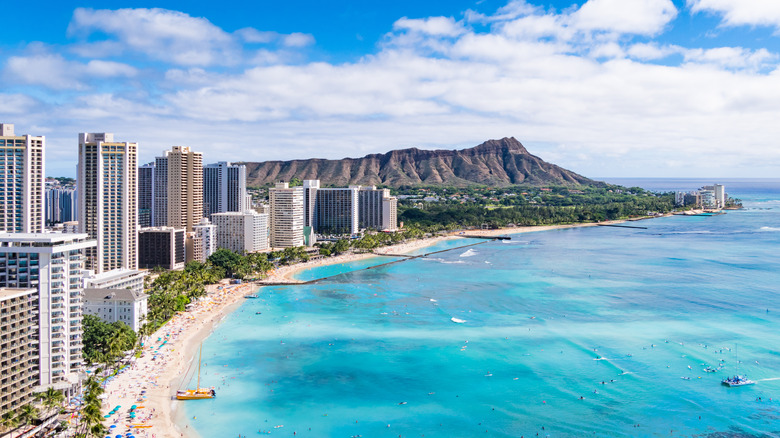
x=113, y=426
x=119, y=436
x=106, y=416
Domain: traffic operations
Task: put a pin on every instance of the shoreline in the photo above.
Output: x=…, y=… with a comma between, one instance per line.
x=162, y=368
x=164, y=365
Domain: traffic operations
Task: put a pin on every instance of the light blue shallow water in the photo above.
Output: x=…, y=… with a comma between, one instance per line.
x=549, y=317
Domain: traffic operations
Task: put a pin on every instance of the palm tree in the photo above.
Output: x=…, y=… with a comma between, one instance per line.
x=9, y=420
x=92, y=420
x=51, y=398
x=27, y=414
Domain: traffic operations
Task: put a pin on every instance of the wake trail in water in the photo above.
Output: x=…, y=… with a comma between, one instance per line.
x=767, y=380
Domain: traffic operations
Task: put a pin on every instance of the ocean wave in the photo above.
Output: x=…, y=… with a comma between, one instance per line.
x=443, y=261
x=769, y=229
x=516, y=242
x=469, y=253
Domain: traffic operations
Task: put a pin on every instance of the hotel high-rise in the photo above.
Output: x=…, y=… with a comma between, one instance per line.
x=107, y=197
x=286, y=215
x=53, y=264
x=224, y=188
x=22, y=187
x=146, y=195
x=178, y=188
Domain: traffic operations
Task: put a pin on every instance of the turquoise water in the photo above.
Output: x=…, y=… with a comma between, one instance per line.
x=341, y=268
x=548, y=317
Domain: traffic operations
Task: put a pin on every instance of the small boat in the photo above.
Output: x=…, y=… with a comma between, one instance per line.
x=198, y=393
x=459, y=321
x=737, y=380
x=710, y=369
x=258, y=313
x=250, y=296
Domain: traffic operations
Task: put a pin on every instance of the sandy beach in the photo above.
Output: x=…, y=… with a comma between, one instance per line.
x=285, y=274
x=153, y=379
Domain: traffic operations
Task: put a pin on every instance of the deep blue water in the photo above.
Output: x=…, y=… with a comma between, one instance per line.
x=548, y=316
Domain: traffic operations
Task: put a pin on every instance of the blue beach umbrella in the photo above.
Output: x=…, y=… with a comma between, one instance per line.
x=113, y=426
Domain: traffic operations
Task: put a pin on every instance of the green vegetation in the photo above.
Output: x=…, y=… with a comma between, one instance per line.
x=445, y=208
x=63, y=180
x=91, y=418
x=104, y=342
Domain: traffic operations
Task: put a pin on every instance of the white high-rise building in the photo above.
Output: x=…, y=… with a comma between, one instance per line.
x=720, y=195
x=204, y=240
x=108, y=201
x=224, y=188
x=52, y=263
x=242, y=232
x=286, y=220
x=22, y=166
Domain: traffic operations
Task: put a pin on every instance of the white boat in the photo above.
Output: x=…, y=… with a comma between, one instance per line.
x=737, y=380
x=459, y=321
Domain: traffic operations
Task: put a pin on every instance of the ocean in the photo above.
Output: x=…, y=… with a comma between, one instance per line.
x=596, y=331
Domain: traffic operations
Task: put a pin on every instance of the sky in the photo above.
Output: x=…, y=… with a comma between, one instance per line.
x=606, y=88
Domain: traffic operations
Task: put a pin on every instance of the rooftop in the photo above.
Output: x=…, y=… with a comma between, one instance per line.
x=95, y=294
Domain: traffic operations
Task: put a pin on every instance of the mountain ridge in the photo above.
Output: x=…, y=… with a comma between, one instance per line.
x=496, y=163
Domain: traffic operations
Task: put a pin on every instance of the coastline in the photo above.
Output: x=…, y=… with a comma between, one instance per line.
x=159, y=377
x=161, y=369
x=286, y=274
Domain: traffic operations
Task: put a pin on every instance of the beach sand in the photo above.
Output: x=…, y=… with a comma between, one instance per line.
x=285, y=274
x=162, y=367
x=160, y=371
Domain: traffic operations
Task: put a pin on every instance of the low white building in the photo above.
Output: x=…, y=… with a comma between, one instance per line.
x=112, y=305
x=243, y=232
x=116, y=279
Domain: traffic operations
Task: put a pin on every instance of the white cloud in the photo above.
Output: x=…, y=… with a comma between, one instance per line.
x=434, y=26
x=16, y=104
x=590, y=96
x=168, y=36
x=161, y=34
x=55, y=72
x=252, y=35
x=652, y=51
x=732, y=57
x=641, y=17
x=741, y=12
x=297, y=39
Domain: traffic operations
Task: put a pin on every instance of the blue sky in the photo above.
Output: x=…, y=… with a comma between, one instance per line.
x=603, y=87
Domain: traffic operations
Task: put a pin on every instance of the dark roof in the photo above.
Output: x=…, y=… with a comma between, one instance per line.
x=94, y=294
